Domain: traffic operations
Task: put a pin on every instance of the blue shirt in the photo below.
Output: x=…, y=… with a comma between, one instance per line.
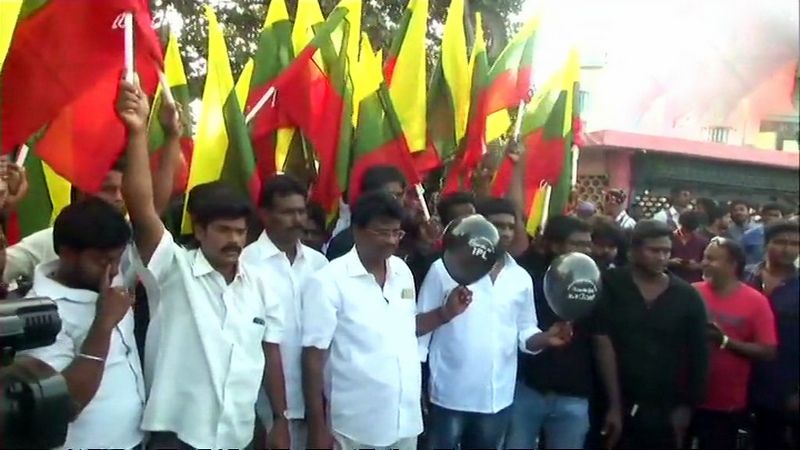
x=773, y=382
x=753, y=244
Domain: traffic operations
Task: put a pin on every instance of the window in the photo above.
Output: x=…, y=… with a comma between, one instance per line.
x=719, y=134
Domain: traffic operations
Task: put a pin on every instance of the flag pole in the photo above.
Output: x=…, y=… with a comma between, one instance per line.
x=22, y=155
x=421, y=197
x=518, y=120
x=128, y=27
x=270, y=94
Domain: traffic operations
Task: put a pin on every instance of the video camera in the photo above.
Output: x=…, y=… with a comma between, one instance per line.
x=34, y=408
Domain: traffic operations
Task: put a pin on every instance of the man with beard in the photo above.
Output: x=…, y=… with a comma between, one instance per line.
x=774, y=387
x=753, y=239
x=471, y=335
x=717, y=221
x=679, y=199
x=288, y=264
x=740, y=219
x=214, y=320
x=657, y=324
x=554, y=386
x=608, y=239
x=361, y=372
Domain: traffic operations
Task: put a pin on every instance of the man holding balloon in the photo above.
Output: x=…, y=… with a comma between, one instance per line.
x=474, y=312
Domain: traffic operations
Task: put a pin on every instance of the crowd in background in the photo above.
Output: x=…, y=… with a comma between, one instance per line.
x=694, y=337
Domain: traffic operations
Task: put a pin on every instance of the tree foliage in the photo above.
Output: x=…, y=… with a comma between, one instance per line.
x=242, y=21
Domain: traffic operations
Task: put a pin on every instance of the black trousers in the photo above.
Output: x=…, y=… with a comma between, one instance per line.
x=647, y=427
x=775, y=429
x=717, y=429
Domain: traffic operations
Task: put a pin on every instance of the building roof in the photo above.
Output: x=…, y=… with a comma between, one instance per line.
x=613, y=140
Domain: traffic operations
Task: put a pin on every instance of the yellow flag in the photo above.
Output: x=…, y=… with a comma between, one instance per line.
x=58, y=188
x=455, y=65
x=9, y=11
x=211, y=142
x=308, y=15
x=409, y=77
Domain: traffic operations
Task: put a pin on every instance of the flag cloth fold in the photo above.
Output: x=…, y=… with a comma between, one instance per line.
x=379, y=137
x=70, y=68
x=406, y=76
x=222, y=146
x=176, y=80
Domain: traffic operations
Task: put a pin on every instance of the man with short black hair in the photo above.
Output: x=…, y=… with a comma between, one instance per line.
x=753, y=239
x=377, y=178
x=554, y=386
x=607, y=241
x=740, y=219
x=657, y=324
x=214, y=319
x=687, y=248
x=455, y=205
x=95, y=350
x=774, y=387
x=478, y=329
x=361, y=374
x=614, y=205
x=717, y=221
x=288, y=264
x=679, y=198
x=316, y=228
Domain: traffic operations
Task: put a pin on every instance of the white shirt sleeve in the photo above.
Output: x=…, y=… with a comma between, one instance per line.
x=319, y=311
x=161, y=263
x=431, y=296
x=527, y=324
x=23, y=257
x=274, y=318
x=58, y=355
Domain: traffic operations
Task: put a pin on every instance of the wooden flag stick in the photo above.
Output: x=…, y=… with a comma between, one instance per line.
x=518, y=121
x=167, y=92
x=22, y=155
x=260, y=104
x=421, y=197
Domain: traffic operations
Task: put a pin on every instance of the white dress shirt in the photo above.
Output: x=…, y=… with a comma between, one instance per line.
x=625, y=221
x=37, y=248
x=373, y=377
x=204, y=359
x=113, y=417
x=287, y=280
x=473, y=358
x=665, y=215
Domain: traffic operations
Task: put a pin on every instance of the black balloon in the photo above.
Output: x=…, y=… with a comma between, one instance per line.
x=572, y=285
x=470, y=249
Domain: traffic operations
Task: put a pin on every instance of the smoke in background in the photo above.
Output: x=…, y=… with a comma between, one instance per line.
x=676, y=64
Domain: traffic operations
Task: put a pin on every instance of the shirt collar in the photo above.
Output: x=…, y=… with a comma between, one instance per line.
x=267, y=249
x=621, y=216
x=45, y=286
x=355, y=268
x=201, y=267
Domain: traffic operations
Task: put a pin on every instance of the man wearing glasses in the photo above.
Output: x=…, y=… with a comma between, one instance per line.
x=358, y=327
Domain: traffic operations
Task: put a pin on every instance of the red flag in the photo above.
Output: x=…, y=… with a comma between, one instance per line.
x=65, y=61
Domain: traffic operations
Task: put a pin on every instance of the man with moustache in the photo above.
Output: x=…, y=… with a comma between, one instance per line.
x=279, y=255
x=657, y=325
x=214, y=320
x=361, y=371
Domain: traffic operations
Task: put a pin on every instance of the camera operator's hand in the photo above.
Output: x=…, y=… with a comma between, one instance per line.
x=112, y=304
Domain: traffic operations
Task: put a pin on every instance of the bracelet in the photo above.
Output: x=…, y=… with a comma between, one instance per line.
x=91, y=357
x=725, y=340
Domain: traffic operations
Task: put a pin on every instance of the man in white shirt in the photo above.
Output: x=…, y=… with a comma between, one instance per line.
x=679, y=199
x=279, y=255
x=214, y=320
x=472, y=356
x=614, y=207
x=359, y=331
x=95, y=350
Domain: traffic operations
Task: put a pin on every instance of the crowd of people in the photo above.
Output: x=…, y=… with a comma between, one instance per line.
x=237, y=342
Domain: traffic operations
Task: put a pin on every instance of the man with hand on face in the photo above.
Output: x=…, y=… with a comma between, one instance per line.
x=657, y=324
x=279, y=255
x=214, y=320
x=471, y=335
x=361, y=371
x=95, y=350
x=741, y=331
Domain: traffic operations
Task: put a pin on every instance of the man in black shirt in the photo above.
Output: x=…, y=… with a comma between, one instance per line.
x=554, y=386
x=657, y=324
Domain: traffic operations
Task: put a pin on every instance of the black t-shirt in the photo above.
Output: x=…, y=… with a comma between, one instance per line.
x=566, y=370
x=662, y=352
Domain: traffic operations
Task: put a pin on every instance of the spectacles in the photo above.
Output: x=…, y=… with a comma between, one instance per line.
x=388, y=234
